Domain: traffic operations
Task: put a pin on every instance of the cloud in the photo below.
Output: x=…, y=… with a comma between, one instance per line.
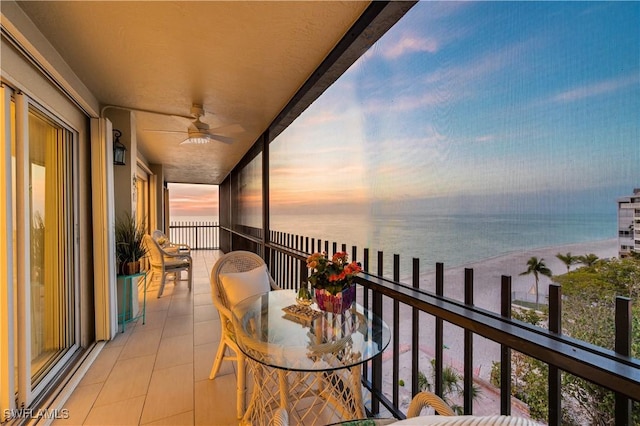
x=596, y=89
x=410, y=44
x=322, y=117
x=485, y=138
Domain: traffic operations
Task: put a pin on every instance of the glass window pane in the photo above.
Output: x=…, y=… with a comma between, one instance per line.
x=51, y=246
x=248, y=204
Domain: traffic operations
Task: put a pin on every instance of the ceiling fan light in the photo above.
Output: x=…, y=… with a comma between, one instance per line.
x=197, y=138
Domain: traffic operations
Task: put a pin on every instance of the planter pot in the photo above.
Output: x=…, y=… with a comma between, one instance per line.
x=129, y=268
x=335, y=303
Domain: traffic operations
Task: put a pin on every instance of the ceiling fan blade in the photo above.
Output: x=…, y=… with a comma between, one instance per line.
x=165, y=131
x=223, y=139
x=229, y=128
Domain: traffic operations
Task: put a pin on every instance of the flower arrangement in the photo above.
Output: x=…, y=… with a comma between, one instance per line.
x=332, y=275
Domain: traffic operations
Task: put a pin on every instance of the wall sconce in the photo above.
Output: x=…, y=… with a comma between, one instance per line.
x=118, y=149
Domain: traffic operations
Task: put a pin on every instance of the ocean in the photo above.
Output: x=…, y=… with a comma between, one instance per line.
x=455, y=240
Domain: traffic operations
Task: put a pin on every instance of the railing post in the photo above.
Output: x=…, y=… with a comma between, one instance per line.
x=439, y=355
x=415, y=328
x=554, y=379
x=468, y=346
x=365, y=268
x=396, y=334
x=623, y=347
x=365, y=294
x=376, y=369
x=505, y=351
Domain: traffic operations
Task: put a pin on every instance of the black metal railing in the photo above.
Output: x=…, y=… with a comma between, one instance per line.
x=197, y=235
x=612, y=370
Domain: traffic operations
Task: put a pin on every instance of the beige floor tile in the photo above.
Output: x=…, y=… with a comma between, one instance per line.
x=125, y=413
x=170, y=393
x=204, y=313
x=128, y=379
x=202, y=299
x=203, y=357
x=121, y=339
x=183, y=419
x=177, y=326
x=102, y=366
x=174, y=351
x=79, y=404
x=182, y=293
x=144, y=341
x=155, y=304
x=153, y=319
x=206, y=332
x=215, y=402
x=180, y=307
x=204, y=288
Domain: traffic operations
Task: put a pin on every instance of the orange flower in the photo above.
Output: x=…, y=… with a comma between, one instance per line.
x=333, y=275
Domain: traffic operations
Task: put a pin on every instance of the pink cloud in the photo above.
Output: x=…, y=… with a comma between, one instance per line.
x=596, y=89
x=410, y=44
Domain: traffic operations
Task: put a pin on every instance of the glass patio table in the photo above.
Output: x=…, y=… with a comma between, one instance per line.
x=304, y=360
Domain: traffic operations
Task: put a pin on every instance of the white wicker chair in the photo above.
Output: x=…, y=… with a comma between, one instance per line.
x=428, y=399
x=177, y=247
x=232, y=262
x=164, y=263
x=448, y=416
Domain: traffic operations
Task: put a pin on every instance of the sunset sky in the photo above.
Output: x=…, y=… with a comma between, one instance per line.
x=538, y=100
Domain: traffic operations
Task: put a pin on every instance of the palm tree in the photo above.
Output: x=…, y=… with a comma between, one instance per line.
x=568, y=259
x=588, y=259
x=536, y=267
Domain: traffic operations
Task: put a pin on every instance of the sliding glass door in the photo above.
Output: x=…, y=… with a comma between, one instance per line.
x=51, y=243
x=41, y=289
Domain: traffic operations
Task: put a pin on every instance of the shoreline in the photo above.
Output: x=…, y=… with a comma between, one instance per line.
x=488, y=272
x=487, y=286
x=603, y=246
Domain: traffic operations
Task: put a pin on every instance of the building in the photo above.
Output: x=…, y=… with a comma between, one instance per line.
x=629, y=224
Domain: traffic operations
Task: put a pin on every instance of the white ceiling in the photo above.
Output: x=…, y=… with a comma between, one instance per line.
x=242, y=60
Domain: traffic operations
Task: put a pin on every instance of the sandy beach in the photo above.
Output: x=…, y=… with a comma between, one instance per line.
x=487, y=279
x=487, y=273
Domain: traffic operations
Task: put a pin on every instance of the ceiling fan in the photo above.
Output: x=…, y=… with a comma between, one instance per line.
x=199, y=132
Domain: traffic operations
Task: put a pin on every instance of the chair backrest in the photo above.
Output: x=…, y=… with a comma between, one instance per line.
x=153, y=251
x=158, y=234
x=233, y=262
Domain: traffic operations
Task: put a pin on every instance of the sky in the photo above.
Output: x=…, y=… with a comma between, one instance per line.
x=192, y=200
x=481, y=106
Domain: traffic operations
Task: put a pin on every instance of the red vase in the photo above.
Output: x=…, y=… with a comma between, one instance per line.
x=335, y=303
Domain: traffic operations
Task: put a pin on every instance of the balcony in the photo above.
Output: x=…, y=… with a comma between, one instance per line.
x=157, y=373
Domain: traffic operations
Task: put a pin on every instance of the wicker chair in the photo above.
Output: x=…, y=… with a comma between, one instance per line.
x=158, y=235
x=448, y=416
x=428, y=399
x=232, y=263
x=164, y=263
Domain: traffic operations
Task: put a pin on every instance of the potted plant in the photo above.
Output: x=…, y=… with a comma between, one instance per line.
x=332, y=281
x=129, y=246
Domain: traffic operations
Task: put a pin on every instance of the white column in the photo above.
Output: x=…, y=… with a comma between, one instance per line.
x=102, y=189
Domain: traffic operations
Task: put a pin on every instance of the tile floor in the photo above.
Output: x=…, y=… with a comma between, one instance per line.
x=158, y=373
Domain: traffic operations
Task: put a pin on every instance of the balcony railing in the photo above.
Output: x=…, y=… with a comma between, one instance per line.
x=615, y=370
x=197, y=235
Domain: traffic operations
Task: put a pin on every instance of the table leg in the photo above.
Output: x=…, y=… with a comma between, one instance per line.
x=284, y=390
x=144, y=301
x=356, y=387
x=124, y=303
